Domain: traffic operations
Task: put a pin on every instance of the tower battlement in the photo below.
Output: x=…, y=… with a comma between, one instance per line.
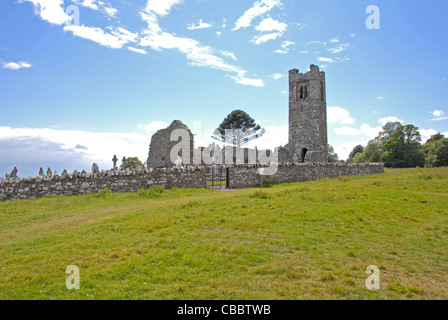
x=308, y=116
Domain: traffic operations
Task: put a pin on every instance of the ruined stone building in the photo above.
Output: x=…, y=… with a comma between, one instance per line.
x=307, y=126
x=161, y=146
x=307, y=116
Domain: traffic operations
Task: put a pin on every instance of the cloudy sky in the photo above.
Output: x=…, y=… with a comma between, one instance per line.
x=82, y=80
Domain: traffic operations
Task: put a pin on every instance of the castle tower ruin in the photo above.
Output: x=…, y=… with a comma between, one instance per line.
x=307, y=116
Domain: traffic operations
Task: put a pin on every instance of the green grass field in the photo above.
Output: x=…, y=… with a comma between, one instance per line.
x=309, y=240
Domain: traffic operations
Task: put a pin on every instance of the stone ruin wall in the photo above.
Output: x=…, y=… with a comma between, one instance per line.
x=129, y=180
x=245, y=176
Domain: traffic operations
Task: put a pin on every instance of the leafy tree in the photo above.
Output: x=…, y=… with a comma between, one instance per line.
x=436, y=137
x=396, y=145
x=131, y=162
x=403, y=148
x=387, y=132
x=238, y=128
x=332, y=156
x=436, y=151
x=372, y=153
x=358, y=149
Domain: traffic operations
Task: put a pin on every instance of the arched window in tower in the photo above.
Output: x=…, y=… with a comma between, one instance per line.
x=301, y=92
x=303, y=155
x=321, y=90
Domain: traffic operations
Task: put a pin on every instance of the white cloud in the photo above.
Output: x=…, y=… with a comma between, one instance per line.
x=87, y=3
x=265, y=37
x=352, y=35
x=89, y=146
x=380, y=98
x=50, y=10
x=323, y=59
x=16, y=65
x=229, y=54
x=365, y=130
x=98, y=5
x=274, y=137
x=439, y=119
x=343, y=150
x=346, y=131
x=276, y=76
x=111, y=11
x=270, y=24
x=153, y=127
x=339, y=115
x=115, y=40
x=285, y=47
x=161, y=7
x=196, y=53
x=259, y=8
x=218, y=33
x=300, y=26
x=200, y=25
x=426, y=134
x=340, y=48
x=242, y=79
x=334, y=40
x=437, y=113
x=369, y=131
x=385, y=120
x=137, y=50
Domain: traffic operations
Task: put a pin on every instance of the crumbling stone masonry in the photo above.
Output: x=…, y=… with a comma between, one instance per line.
x=307, y=117
x=129, y=180
x=161, y=146
x=246, y=176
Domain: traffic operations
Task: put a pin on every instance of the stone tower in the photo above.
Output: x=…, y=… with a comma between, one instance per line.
x=307, y=116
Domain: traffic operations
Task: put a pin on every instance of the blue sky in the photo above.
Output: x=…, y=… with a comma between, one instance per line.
x=77, y=92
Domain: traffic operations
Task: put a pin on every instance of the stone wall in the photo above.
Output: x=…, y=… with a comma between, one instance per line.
x=244, y=176
x=129, y=180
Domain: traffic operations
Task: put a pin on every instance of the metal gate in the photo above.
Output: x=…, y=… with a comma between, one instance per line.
x=217, y=177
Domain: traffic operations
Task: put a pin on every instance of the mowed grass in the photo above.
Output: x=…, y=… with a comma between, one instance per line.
x=310, y=240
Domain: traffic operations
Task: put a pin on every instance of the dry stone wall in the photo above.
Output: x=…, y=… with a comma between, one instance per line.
x=129, y=180
x=244, y=176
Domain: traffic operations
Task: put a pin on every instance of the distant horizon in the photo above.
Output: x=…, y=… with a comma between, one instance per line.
x=82, y=80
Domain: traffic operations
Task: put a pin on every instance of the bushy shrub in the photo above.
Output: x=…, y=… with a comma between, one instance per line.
x=259, y=195
x=105, y=194
x=152, y=192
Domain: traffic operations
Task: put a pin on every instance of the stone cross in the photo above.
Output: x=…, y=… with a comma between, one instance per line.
x=49, y=173
x=41, y=172
x=14, y=173
x=95, y=168
x=114, y=160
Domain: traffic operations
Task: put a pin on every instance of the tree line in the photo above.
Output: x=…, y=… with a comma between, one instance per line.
x=399, y=146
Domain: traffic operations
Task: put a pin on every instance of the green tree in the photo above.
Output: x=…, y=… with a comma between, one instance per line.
x=372, y=153
x=437, y=136
x=403, y=148
x=238, y=128
x=358, y=149
x=436, y=151
x=332, y=156
x=131, y=162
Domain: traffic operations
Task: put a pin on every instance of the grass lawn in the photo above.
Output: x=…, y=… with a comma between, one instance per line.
x=309, y=240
